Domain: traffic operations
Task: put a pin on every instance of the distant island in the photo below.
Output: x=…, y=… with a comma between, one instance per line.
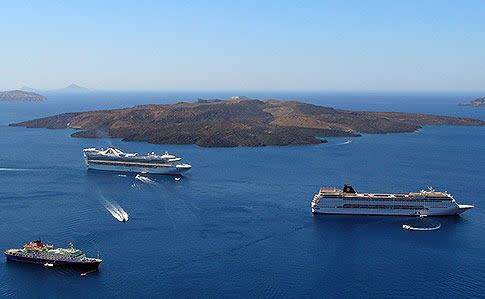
x=73, y=88
x=475, y=103
x=237, y=122
x=29, y=89
x=19, y=95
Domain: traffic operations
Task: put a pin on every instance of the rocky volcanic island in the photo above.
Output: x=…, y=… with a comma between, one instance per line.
x=20, y=95
x=476, y=103
x=237, y=122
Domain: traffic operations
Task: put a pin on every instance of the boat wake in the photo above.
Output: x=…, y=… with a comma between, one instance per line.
x=145, y=179
x=417, y=228
x=116, y=211
x=13, y=169
x=346, y=142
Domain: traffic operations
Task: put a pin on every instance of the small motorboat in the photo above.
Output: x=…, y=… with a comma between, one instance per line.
x=407, y=226
x=49, y=265
x=84, y=274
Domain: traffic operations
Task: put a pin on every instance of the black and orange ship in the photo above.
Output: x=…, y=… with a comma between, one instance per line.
x=37, y=252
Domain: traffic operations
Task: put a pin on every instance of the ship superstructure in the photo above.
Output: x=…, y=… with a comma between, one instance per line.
x=330, y=200
x=39, y=253
x=113, y=159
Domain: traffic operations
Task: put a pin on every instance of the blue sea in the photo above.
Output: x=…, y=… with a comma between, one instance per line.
x=239, y=223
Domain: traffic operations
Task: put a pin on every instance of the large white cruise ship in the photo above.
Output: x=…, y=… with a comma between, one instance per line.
x=112, y=159
x=422, y=203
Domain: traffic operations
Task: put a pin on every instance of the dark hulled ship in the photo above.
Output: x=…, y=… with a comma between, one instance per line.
x=37, y=252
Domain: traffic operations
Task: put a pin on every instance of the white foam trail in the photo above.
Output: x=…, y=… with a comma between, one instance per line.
x=13, y=169
x=144, y=179
x=407, y=226
x=346, y=142
x=116, y=211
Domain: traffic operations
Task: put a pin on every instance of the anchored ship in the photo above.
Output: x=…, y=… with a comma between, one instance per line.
x=38, y=253
x=330, y=200
x=113, y=159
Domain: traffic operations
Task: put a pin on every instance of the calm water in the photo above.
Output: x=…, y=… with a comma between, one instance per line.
x=239, y=224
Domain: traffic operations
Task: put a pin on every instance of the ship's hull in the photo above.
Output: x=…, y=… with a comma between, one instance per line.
x=71, y=264
x=348, y=202
x=168, y=170
x=429, y=211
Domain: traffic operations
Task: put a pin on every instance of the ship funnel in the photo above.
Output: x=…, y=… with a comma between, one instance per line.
x=349, y=189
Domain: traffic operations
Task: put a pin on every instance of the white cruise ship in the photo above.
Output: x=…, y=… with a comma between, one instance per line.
x=423, y=203
x=113, y=159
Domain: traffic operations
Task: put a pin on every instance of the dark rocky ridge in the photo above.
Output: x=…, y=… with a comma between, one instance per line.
x=475, y=103
x=20, y=95
x=237, y=122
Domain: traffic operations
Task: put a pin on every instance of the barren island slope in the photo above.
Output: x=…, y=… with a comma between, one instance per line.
x=237, y=122
x=475, y=103
x=20, y=95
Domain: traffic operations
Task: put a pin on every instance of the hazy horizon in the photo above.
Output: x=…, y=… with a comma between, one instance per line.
x=372, y=46
x=281, y=90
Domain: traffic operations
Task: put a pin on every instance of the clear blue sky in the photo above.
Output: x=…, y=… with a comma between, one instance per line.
x=244, y=45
